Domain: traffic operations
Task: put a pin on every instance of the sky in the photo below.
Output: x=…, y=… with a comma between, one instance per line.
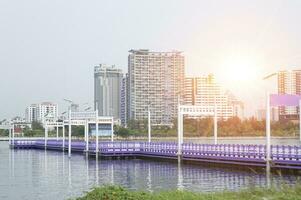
x=48, y=49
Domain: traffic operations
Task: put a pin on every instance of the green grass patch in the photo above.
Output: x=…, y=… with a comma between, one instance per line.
x=120, y=193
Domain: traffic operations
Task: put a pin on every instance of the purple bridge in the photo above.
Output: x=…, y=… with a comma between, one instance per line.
x=283, y=156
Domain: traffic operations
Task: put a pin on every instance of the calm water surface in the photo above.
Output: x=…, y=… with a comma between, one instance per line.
x=38, y=174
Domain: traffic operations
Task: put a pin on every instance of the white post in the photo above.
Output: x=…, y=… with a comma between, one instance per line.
x=85, y=133
x=112, y=130
x=63, y=136
x=182, y=129
x=96, y=132
x=215, y=124
x=87, y=136
x=69, y=134
x=57, y=131
x=13, y=134
x=149, y=124
x=300, y=119
x=268, y=136
x=46, y=135
x=179, y=131
x=9, y=136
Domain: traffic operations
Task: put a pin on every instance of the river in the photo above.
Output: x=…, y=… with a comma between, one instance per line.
x=39, y=174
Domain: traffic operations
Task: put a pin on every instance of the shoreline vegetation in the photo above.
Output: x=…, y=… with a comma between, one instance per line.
x=233, y=127
x=283, y=192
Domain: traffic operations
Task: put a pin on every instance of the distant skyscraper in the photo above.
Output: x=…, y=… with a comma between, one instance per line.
x=107, y=88
x=155, y=79
x=289, y=82
x=205, y=91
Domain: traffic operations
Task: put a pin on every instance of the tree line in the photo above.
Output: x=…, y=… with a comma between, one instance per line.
x=202, y=127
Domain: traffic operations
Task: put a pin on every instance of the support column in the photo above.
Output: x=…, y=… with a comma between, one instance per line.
x=112, y=130
x=13, y=135
x=87, y=136
x=57, y=132
x=180, y=133
x=215, y=124
x=96, y=133
x=9, y=136
x=268, y=139
x=46, y=136
x=300, y=119
x=149, y=125
x=69, y=135
x=63, y=136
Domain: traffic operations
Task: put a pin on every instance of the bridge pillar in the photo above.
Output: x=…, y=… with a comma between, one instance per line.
x=69, y=135
x=112, y=130
x=87, y=136
x=215, y=124
x=57, y=132
x=9, y=136
x=96, y=133
x=46, y=136
x=13, y=135
x=63, y=136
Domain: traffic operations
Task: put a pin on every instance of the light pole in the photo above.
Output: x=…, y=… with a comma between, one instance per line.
x=215, y=122
x=69, y=129
x=96, y=129
x=46, y=130
x=87, y=131
x=149, y=123
x=63, y=131
x=268, y=132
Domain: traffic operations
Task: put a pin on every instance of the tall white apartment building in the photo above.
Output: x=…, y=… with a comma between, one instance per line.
x=31, y=113
x=41, y=112
x=107, y=90
x=155, y=80
x=289, y=82
x=205, y=91
x=47, y=110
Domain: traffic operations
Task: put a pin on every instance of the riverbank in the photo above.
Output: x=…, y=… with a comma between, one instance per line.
x=119, y=193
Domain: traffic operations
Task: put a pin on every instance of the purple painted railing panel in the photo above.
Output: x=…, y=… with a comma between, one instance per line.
x=280, y=154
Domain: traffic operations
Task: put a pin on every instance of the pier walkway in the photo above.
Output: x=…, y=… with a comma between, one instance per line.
x=283, y=156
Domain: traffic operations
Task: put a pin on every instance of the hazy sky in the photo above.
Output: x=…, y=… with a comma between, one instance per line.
x=48, y=48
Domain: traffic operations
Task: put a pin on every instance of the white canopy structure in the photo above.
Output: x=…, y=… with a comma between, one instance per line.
x=11, y=135
x=80, y=119
x=198, y=111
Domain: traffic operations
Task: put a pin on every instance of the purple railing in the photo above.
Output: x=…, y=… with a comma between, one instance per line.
x=284, y=154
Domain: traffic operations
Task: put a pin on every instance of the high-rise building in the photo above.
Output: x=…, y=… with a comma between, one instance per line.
x=289, y=82
x=39, y=112
x=205, y=91
x=47, y=110
x=107, y=89
x=155, y=79
x=124, y=100
x=31, y=113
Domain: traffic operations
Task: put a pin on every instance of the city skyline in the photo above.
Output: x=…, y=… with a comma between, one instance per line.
x=50, y=57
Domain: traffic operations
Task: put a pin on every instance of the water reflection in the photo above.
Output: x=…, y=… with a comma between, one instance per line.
x=180, y=177
x=34, y=173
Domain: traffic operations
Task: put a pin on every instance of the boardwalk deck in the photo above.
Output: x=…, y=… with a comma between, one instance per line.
x=283, y=156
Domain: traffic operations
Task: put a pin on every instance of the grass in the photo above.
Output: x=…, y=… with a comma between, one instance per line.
x=120, y=193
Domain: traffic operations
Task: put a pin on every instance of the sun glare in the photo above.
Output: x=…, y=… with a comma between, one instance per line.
x=239, y=70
